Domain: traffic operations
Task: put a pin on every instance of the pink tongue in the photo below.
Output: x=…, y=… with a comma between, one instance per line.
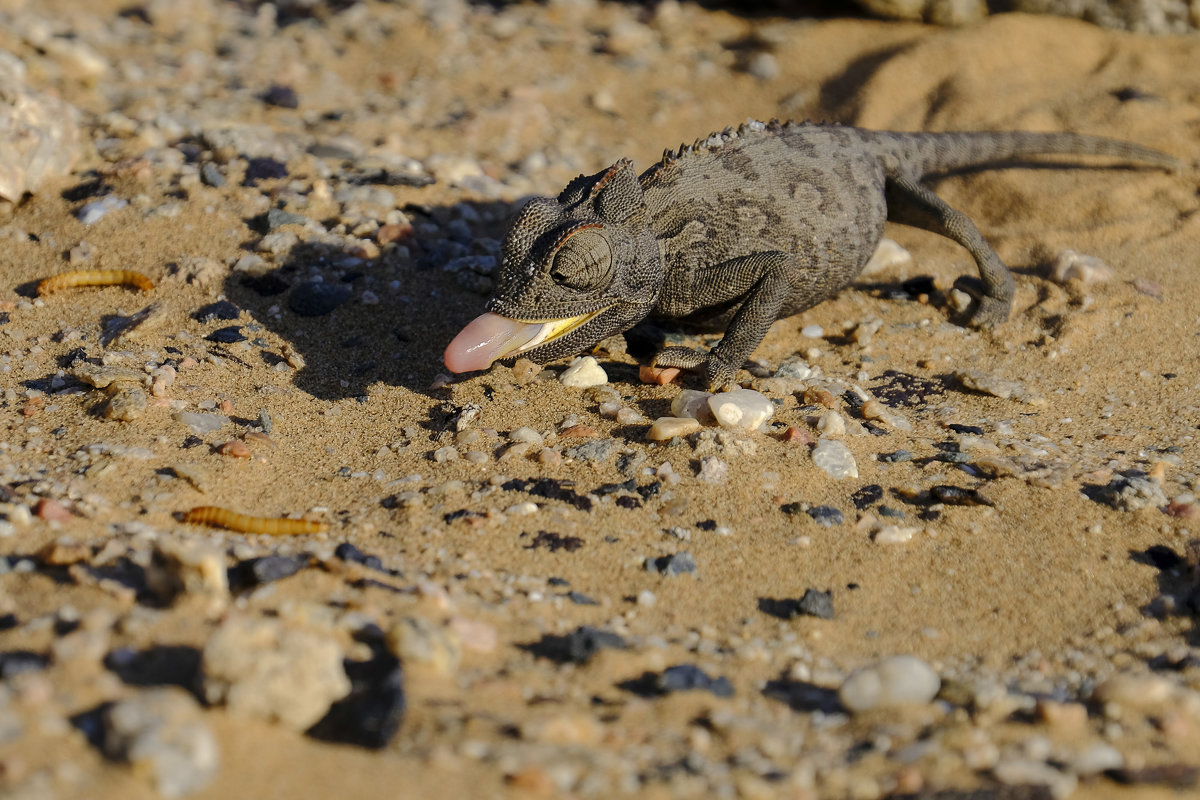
x=485, y=339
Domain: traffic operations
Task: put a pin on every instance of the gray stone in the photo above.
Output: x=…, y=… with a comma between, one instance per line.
x=161, y=733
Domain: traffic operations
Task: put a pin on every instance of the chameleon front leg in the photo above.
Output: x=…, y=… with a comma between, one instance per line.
x=910, y=203
x=765, y=280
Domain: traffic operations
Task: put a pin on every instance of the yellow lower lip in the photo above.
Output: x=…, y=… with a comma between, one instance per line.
x=554, y=328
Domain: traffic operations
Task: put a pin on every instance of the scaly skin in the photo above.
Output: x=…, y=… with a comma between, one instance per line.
x=748, y=226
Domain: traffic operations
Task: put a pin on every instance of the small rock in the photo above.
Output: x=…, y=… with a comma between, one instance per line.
x=161, y=733
x=894, y=681
x=834, y=459
x=1130, y=493
x=713, y=470
x=583, y=372
x=317, y=298
x=893, y=534
x=596, y=450
x=419, y=642
x=1028, y=772
x=201, y=423
x=828, y=516
x=689, y=677
x=180, y=567
x=211, y=175
x=1069, y=265
x=998, y=387
x=96, y=210
x=657, y=375
x=52, y=511
x=816, y=603
x=234, y=448
x=524, y=371
x=680, y=563
x=260, y=667
x=743, y=409
x=832, y=425
x=666, y=428
x=693, y=404
x=888, y=253
x=526, y=435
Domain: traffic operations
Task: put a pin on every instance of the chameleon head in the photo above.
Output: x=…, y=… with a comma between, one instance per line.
x=576, y=269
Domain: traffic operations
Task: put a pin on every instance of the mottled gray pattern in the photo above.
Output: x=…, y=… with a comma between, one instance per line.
x=750, y=225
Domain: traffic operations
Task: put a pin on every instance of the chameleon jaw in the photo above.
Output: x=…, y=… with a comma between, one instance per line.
x=491, y=337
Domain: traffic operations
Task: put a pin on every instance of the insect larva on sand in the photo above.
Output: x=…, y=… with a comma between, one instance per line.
x=94, y=277
x=244, y=523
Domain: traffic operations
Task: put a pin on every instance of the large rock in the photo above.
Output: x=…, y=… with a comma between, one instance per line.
x=40, y=133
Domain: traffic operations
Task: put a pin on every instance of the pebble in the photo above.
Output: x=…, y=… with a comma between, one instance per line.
x=52, y=511
x=660, y=376
x=743, y=409
x=1069, y=265
x=199, y=423
x=1131, y=493
x=680, y=563
x=524, y=371
x=828, y=516
x=96, y=210
x=596, y=450
x=420, y=642
x=234, y=448
x=713, y=470
x=893, y=534
x=693, y=404
x=526, y=435
x=583, y=372
x=998, y=387
x=666, y=428
x=888, y=253
x=261, y=667
x=689, y=677
x=816, y=603
x=832, y=425
x=161, y=734
x=894, y=681
x=40, y=131
x=317, y=298
x=181, y=567
x=834, y=459
x=1018, y=771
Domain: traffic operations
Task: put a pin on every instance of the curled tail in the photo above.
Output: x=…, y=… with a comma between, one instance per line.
x=920, y=154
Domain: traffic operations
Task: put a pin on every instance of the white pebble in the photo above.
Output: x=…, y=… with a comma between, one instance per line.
x=813, y=331
x=888, y=253
x=1069, y=265
x=693, y=404
x=742, y=408
x=666, y=428
x=583, y=372
x=527, y=435
x=894, y=534
x=834, y=459
x=832, y=425
x=713, y=470
x=522, y=509
x=894, y=681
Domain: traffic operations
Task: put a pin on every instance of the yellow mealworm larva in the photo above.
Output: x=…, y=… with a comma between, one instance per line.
x=244, y=523
x=94, y=277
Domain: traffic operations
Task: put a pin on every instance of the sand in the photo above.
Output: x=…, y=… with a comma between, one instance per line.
x=1023, y=605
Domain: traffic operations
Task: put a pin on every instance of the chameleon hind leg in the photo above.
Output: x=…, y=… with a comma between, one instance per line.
x=910, y=203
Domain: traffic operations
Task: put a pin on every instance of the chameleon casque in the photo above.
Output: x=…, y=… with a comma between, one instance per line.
x=740, y=229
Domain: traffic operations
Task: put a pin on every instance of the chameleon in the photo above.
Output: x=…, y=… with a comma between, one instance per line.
x=739, y=229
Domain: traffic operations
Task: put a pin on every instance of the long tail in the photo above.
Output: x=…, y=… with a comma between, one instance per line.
x=920, y=154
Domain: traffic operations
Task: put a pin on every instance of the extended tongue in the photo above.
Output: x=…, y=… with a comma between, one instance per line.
x=487, y=338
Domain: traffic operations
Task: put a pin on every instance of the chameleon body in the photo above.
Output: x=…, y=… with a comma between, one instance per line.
x=741, y=228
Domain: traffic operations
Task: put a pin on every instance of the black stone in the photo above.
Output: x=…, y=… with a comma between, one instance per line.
x=317, y=298
x=371, y=714
x=348, y=552
x=816, y=604
x=554, y=542
x=281, y=97
x=259, y=169
x=689, y=677
x=161, y=665
x=867, y=496
x=679, y=563
x=827, y=516
x=266, y=569
x=581, y=599
x=972, y=429
x=220, y=310
x=577, y=647
x=896, y=457
x=14, y=662
x=229, y=335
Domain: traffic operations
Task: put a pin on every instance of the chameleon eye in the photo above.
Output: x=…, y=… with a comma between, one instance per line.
x=583, y=261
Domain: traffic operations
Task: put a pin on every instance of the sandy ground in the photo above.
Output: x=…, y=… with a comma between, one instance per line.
x=1056, y=620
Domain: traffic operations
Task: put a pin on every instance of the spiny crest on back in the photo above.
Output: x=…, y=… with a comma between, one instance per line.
x=714, y=142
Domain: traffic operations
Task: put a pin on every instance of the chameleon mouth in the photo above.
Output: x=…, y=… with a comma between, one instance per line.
x=491, y=337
